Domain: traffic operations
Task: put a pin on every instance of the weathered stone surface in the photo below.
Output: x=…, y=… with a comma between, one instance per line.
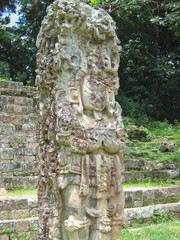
x=11, y=85
x=134, y=164
x=133, y=176
x=3, y=191
x=20, y=213
x=24, y=225
x=19, y=92
x=142, y=214
x=145, y=214
x=139, y=197
x=136, y=176
x=20, y=182
x=138, y=134
x=168, y=147
x=4, y=237
x=32, y=235
x=163, y=174
x=18, y=134
x=11, y=166
x=134, y=197
x=81, y=134
x=18, y=207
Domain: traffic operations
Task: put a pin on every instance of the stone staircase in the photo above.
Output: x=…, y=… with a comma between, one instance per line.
x=146, y=204
x=18, y=117
x=19, y=215
x=17, y=135
x=136, y=171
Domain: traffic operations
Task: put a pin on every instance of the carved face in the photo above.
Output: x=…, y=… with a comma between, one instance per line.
x=93, y=93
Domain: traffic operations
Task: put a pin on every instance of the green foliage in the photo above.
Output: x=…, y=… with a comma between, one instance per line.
x=151, y=84
x=148, y=183
x=7, y=5
x=20, y=192
x=162, y=217
x=111, y=6
x=4, y=71
x=7, y=231
x=131, y=109
x=95, y=3
x=33, y=227
x=171, y=17
x=17, y=47
x=158, y=132
x=165, y=231
x=150, y=64
x=164, y=128
x=16, y=61
x=150, y=135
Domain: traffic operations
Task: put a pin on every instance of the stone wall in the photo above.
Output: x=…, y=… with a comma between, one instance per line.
x=18, y=207
x=18, y=119
x=19, y=214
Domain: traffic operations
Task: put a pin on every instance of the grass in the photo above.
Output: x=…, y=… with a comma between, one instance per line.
x=158, y=132
x=4, y=79
x=147, y=184
x=20, y=192
x=163, y=231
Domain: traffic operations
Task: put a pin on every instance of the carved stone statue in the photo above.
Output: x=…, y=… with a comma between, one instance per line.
x=81, y=134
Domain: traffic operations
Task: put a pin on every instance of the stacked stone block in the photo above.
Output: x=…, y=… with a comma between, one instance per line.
x=19, y=229
x=19, y=215
x=18, y=119
x=18, y=207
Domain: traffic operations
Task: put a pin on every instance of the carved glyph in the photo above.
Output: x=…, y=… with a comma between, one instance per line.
x=81, y=133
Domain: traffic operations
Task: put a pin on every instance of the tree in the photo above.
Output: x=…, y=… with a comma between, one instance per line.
x=150, y=64
x=149, y=31
x=7, y=5
x=17, y=44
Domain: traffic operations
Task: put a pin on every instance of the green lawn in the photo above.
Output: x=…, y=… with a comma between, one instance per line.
x=20, y=192
x=164, y=231
x=147, y=184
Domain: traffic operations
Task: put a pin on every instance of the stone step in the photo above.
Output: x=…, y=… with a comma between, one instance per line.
x=12, y=182
x=11, y=85
x=15, y=207
x=16, y=145
x=141, y=196
x=138, y=176
x=19, y=93
x=147, y=214
x=17, y=129
x=143, y=164
x=15, y=88
x=17, y=109
x=134, y=215
x=20, y=168
x=9, y=100
x=26, y=206
x=16, y=142
x=17, y=229
x=14, y=153
x=134, y=164
x=18, y=119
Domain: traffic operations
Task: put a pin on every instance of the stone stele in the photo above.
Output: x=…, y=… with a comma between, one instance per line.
x=81, y=134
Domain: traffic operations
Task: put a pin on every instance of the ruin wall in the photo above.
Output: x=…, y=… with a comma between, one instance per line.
x=18, y=119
